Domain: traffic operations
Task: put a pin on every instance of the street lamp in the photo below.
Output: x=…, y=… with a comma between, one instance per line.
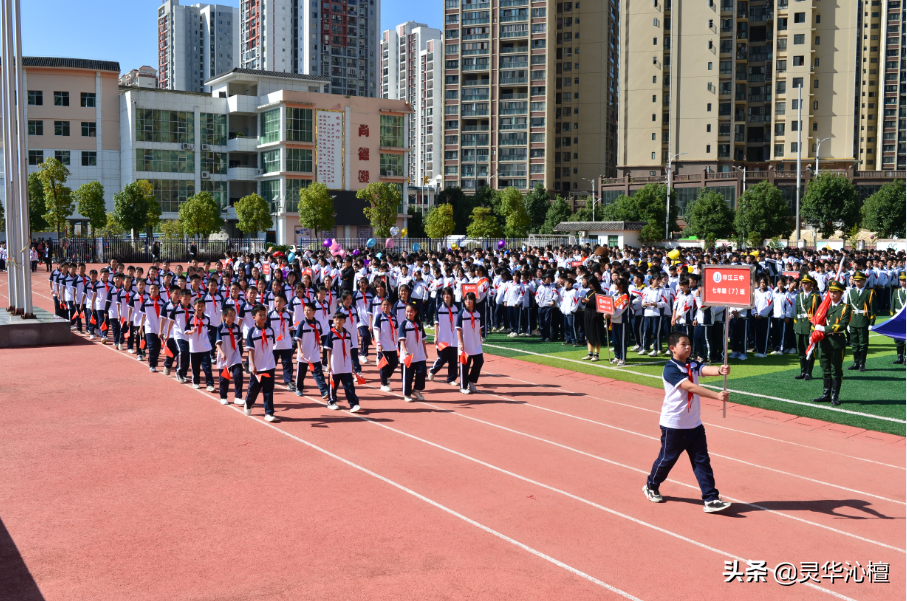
x=593, y=195
x=799, y=154
x=819, y=147
x=668, y=200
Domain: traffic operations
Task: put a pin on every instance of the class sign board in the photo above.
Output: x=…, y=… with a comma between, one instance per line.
x=791, y=274
x=728, y=286
x=467, y=288
x=604, y=304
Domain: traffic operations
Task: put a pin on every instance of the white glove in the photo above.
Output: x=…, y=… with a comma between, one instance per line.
x=820, y=328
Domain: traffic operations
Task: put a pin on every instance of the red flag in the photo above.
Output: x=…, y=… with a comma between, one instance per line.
x=169, y=353
x=260, y=376
x=93, y=320
x=819, y=317
x=104, y=326
x=63, y=306
x=408, y=361
x=464, y=358
x=143, y=344
x=224, y=374
x=360, y=380
x=383, y=363
x=126, y=334
x=82, y=314
x=311, y=367
x=442, y=346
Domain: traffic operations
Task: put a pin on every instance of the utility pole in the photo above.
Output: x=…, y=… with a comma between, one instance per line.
x=818, y=148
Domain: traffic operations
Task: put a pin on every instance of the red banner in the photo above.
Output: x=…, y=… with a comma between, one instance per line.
x=474, y=288
x=604, y=304
x=575, y=263
x=791, y=274
x=728, y=286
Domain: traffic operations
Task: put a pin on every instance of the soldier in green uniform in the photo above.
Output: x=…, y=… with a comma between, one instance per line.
x=862, y=301
x=899, y=300
x=834, y=345
x=804, y=307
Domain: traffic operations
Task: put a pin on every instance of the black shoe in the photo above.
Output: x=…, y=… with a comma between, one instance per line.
x=835, y=391
x=291, y=386
x=862, y=367
x=807, y=377
x=853, y=367
x=801, y=376
x=826, y=392
x=899, y=361
x=802, y=370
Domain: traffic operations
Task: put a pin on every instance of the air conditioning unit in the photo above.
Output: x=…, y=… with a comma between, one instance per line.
x=187, y=146
x=206, y=175
x=206, y=147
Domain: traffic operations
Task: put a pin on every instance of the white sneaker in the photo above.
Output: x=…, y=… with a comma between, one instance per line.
x=355, y=409
x=210, y=388
x=224, y=402
x=333, y=406
x=180, y=379
x=512, y=335
x=152, y=370
x=408, y=399
x=431, y=377
x=621, y=364
x=653, y=353
x=642, y=351
x=118, y=347
x=196, y=386
x=635, y=347
x=652, y=495
x=270, y=418
x=741, y=357
x=667, y=352
x=454, y=383
x=91, y=336
x=760, y=355
x=418, y=396
x=386, y=389
x=791, y=351
x=776, y=353
x=465, y=391
x=166, y=371
x=472, y=387
x=613, y=360
x=238, y=402
x=131, y=351
x=524, y=335
x=716, y=505
x=363, y=360
x=247, y=411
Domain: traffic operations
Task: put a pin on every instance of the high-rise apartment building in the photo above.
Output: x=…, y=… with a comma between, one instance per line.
x=195, y=43
x=530, y=93
x=723, y=84
x=410, y=72
x=335, y=38
x=143, y=77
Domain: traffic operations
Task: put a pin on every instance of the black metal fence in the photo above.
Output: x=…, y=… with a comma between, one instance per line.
x=144, y=250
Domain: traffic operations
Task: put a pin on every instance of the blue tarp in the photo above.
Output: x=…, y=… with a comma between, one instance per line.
x=896, y=327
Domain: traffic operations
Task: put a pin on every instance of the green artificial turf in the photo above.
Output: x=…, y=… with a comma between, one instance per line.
x=879, y=391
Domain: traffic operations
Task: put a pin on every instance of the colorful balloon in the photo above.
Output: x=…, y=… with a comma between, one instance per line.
x=370, y=243
x=389, y=243
x=379, y=255
x=416, y=247
x=355, y=252
x=454, y=246
x=501, y=244
x=404, y=232
x=395, y=230
x=327, y=242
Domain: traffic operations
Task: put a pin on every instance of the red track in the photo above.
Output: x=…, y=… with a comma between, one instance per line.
x=122, y=484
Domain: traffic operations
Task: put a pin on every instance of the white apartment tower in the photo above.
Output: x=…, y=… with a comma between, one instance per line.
x=410, y=72
x=335, y=38
x=195, y=43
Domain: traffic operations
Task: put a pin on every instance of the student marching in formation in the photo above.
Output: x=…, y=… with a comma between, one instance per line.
x=446, y=338
x=469, y=339
x=339, y=346
x=385, y=328
x=413, y=355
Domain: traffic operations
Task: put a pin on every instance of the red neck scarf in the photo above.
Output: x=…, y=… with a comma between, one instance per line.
x=393, y=329
x=232, y=338
x=157, y=307
x=198, y=325
x=342, y=342
x=689, y=394
x=264, y=340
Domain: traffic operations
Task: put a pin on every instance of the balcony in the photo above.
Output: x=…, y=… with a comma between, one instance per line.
x=515, y=34
x=475, y=82
x=243, y=173
x=511, y=18
x=758, y=118
x=505, y=3
x=476, y=140
x=757, y=77
x=477, y=67
x=515, y=65
x=759, y=98
x=242, y=145
x=474, y=112
x=242, y=104
x=474, y=52
x=468, y=97
x=513, y=49
x=513, y=80
x=476, y=21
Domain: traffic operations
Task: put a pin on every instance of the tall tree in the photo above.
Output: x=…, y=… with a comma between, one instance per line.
x=90, y=204
x=316, y=208
x=710, y=217
x=647, y=204
x=762, y=213
x=112, y=227
x=57, y=195
x=884, y=213
x=383, y=204
x=253, y=214
x=440, y=221
x=484, y=224
x=538, y=201
x=831, y=203
x=416, y=222
x=37, y=207
x=200, y=215
x=135, y=207
x=516, y=218
x=558, y=212
x=462, y=206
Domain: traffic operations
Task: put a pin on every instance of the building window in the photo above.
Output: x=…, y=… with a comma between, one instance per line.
x=270, y=189
x=36, y=128
x=61, y=98
x=213, y=129
x=270, y=161
x=61, y=128
x=779, y=150
x=294, y=186
x=36, y=98
x=218, y=191
x=799, y=39
x=154, y=125
x=35, y=157
x=171, y=193
x=164, y=161
x=88, y=100
x=299, y=125
x=214, y=162
x=89, y=158
x=653, y=156
x=708, y=148
x=793, y=147
x=62, y=156
x=391, y=164
x=799, y=17
x=270, y=127
x=708, y=107
x=798, y=61
x=391, y=133
x=299, y=160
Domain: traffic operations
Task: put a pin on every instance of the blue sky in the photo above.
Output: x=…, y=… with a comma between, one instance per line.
x=125, y=30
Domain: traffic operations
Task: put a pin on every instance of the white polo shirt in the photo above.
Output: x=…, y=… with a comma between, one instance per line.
x=680, y=410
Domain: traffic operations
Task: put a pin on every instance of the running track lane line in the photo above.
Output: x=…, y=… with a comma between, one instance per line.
x=709, y=424
x=495, y=468
x=592, y=421
x=562, y=492
x=715, y=454
x=409, y=491
x=641, y=471
x=753, y=394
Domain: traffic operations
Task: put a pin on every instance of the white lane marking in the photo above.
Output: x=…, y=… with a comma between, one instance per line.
x=709, y=424
x=753, y=394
